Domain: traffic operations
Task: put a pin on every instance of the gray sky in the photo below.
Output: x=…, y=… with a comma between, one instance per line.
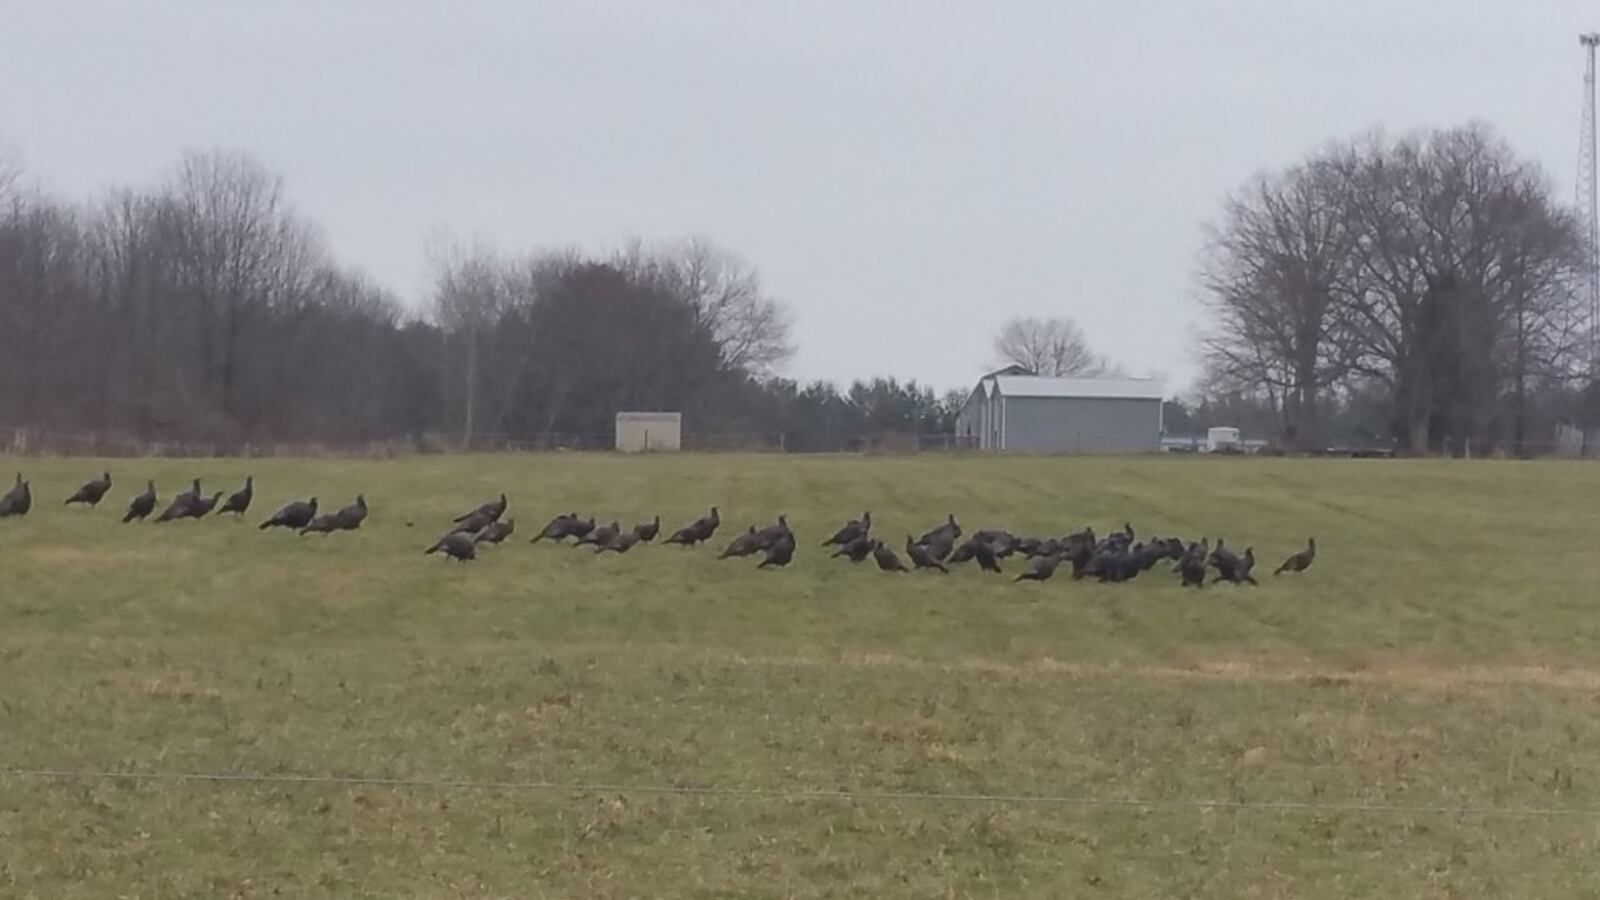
x=905, y=174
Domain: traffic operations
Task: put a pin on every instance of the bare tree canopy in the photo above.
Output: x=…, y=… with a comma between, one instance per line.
x=1435, y=265
x=751, y=330
x=553, y=345
x=205, y=308
x=1273, y=269
x=1052, y=347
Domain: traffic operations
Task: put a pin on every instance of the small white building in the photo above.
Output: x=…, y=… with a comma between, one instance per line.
x=648, y=432
x=1030, y=413
x=1224, y=439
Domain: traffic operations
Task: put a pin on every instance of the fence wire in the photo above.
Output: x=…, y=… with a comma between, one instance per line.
x=40, y=442
x=791, y=794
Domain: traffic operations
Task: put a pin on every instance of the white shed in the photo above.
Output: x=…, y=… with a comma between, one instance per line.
x=643, y=432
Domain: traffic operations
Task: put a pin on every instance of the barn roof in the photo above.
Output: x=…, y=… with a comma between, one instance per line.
x=1083, y=388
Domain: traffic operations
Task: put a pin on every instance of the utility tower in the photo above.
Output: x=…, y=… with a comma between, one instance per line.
x=1588, y=202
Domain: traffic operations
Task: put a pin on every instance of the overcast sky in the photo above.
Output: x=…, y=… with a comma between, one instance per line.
x=904, y=174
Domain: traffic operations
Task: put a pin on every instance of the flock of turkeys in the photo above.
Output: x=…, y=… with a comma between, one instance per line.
x=1115, y=557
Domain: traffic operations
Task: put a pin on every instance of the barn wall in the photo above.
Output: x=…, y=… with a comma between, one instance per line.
x=1082, y=425
x=969, y=421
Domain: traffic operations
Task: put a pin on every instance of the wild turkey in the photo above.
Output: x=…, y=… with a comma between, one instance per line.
x=647, y=531
x=351, y=517
x=203, y=507
x=780, y=552
x=92, y=492
x=770, y=534
x=238, y=502
x=293, y=515
x=1224, y=560
x=1160, y=549
x=1193, y=569
x=180, y=507
x=1300, y=561
x=492, y=511
x=562, y=527
x=1247, y=563
x=1117, y=540
x=458, y=545
x=886, y=559
x=495, y=532
x=1032, y=547
x=851, y=530
x=1237, y=568
x=966, y=551
x=940, y=546
x=985, y=555
x=1119, y=564
x=1146, y=555
x=18, y=500
x=1086, y=536
x=556, y=529
x=1231, y=567
x=1039, y=568
x=1002, y=542
x=922, y=557
x=475, y=522
x=743, y=545
x=142, y=505
x=980, y=550
x=621, y=542
x=1200, y=548
x=857, y=550
x=697, y=531
x=950, y=528
x=1080, y=553
x=600, y=536
x=347, y=519
x=326, y=523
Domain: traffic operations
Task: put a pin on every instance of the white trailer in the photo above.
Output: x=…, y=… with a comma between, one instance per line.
x=1224, y=439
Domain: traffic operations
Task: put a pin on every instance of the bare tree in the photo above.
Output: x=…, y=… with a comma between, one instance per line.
x=240, y=252
x=10, y=173
x=204, y=308
x=1052, y=347
x=1273, y=272
x=469, y=299
x=201, y=309
x=45, y=315
x=751, y=330
x=1460, y=242
x=1435, y=265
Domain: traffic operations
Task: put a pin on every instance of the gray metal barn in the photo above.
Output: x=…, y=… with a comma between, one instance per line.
x=1062, y=415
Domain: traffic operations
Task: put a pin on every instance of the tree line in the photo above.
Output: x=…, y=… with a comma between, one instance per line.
x=1424, y=288
x=549, y=346
x=205, y=308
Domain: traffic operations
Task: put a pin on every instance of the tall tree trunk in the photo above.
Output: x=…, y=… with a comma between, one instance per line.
x=472, y=385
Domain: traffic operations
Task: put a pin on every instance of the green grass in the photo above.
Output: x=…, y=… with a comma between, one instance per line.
x=1440, y=653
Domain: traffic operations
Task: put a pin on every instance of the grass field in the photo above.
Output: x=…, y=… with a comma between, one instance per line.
x=1441, y=653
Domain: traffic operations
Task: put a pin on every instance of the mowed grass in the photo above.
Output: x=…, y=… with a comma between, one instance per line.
x=1441, y=653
